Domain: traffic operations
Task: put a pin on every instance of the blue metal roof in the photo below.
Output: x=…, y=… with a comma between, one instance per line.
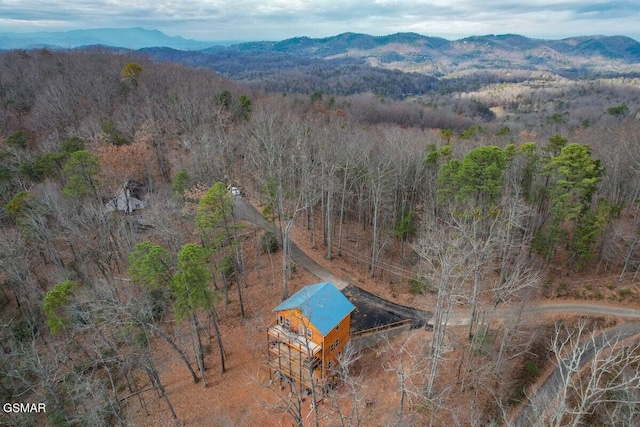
x=323, y=304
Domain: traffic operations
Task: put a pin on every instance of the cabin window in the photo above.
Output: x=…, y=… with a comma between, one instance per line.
x=329, y=364
x=332, y=348
x=337, y=342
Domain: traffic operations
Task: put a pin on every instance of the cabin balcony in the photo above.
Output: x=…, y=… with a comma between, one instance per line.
x=293, y=356
x=278, y=334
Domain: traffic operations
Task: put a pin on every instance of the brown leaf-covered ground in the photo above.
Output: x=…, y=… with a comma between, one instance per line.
x=244, y=395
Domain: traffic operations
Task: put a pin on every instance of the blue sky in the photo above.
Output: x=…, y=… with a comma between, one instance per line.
x=280, y=19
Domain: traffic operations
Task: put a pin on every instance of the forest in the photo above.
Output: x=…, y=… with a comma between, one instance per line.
x=486, y=197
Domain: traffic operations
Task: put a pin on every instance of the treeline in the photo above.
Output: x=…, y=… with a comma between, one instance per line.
x=284, y=73
x=77, y=126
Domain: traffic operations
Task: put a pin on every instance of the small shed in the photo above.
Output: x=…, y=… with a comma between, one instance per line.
x=312, y=328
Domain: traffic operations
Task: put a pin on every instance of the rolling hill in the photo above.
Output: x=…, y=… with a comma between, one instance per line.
x=394, y=66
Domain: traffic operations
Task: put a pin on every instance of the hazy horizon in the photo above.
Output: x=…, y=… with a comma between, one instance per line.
x=283, y=19
x=238, y=41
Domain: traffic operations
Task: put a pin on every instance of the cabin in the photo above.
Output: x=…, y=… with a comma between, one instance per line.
x=311, y=331
x=128, y=198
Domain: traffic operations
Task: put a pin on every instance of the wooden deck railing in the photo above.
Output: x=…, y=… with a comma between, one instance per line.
x=381, y=328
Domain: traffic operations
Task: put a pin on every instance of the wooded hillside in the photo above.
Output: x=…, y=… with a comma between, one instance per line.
x=476, y=193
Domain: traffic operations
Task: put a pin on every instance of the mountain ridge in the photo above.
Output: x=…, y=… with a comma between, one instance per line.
x=129, y=38
x=615, y=47
x=573, y=57
x=395, y=65
x=405, y=64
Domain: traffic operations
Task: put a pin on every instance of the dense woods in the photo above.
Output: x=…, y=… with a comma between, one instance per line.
x=469, y=193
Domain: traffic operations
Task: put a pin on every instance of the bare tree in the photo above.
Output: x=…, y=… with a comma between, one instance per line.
x=443, y=252
x=292, y=404
x=410, y=363
x=348, y=398
x=379, y=175
x=591, y=383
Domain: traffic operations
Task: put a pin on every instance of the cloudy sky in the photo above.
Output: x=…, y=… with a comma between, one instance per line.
x=280, y=19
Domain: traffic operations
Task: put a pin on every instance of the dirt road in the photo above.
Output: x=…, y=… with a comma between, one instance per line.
x=246, y=212
x=371, y=311
x=462, y=316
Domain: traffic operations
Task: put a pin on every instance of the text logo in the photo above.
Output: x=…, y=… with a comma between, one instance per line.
x=24, y=407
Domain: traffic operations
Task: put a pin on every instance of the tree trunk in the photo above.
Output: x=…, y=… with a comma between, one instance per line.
x=155, y=380
x=374, y=239
x=330, y=220
x=175, y=347
x=238, y=266
x=219, y=340
x=344, y=191
x=197, y=347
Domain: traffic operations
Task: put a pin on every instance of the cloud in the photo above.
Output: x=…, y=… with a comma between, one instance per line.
x=279, y=19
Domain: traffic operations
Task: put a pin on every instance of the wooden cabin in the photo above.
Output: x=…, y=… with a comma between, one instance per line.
x=312, y=328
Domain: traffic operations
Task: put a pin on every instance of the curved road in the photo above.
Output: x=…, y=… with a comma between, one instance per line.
x=244, y=211
x=371, y=311
x=531, y=412
x=463, y=316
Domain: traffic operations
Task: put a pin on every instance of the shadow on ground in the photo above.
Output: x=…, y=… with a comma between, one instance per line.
x=375, y=312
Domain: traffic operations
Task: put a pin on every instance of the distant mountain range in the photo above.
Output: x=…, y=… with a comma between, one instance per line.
x=415, y=52
x=401, y=64
x=400, y=47
x=395, y=65
x=128, y=38
x=417, y=48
